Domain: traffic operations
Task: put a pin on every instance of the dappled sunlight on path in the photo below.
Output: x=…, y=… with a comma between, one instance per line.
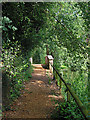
x=37, y=100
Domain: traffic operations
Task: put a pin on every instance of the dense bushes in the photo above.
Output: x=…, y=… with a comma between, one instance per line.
x=13, y=78
x=74, y=71
x=67, y=111
x=39, y=54
x=16, y=69
x=63, y=26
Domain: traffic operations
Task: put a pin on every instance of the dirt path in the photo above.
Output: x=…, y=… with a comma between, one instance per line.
x=36, y=100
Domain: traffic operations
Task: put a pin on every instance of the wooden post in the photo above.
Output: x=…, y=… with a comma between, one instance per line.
x=31, y=60
x=47, y=61
x=68, y=93
x=75, y=97
x=68, y=96
x=50, y=58
x=55, y=76
x=60, y=85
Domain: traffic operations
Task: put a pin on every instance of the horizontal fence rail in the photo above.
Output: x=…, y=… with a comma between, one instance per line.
x=75, y=97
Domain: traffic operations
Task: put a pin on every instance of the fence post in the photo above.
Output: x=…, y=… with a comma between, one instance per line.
x=31, y=60
x=56, y=78
x=50, y=58
x=60, y=85
x=68, y=93
x=47, y=61
x=68, y=96
x=53, y=74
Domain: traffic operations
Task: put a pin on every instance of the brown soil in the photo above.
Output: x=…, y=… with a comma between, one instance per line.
x=37, y=100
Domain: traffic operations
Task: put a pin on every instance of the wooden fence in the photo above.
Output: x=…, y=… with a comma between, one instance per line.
x=70, y=92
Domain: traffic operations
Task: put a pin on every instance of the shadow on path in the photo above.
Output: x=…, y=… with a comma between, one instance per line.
x=37, y=100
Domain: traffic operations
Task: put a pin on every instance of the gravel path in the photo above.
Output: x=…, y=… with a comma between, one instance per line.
x=37, y=100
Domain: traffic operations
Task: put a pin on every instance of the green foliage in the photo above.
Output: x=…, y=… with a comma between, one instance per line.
x=74, y=71
x=39, y=54
x=18, y=70
x=28, y=18
x=0, y=113
x=16, y=66
x=67, y=111
x=64, y=26
x=36, y=57
x=78, y=83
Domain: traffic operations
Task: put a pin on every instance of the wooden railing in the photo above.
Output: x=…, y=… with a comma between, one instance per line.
x=72, y=93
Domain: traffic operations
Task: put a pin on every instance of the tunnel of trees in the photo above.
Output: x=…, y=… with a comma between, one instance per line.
x=26, y=30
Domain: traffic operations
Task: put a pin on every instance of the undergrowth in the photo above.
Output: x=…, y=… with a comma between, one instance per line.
x=67, y=111
x=16, y=69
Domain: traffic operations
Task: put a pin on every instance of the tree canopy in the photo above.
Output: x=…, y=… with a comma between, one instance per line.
x=29, y=26
x=64, y=23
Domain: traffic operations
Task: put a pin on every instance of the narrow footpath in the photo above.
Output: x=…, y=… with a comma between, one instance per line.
x=38, y=98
